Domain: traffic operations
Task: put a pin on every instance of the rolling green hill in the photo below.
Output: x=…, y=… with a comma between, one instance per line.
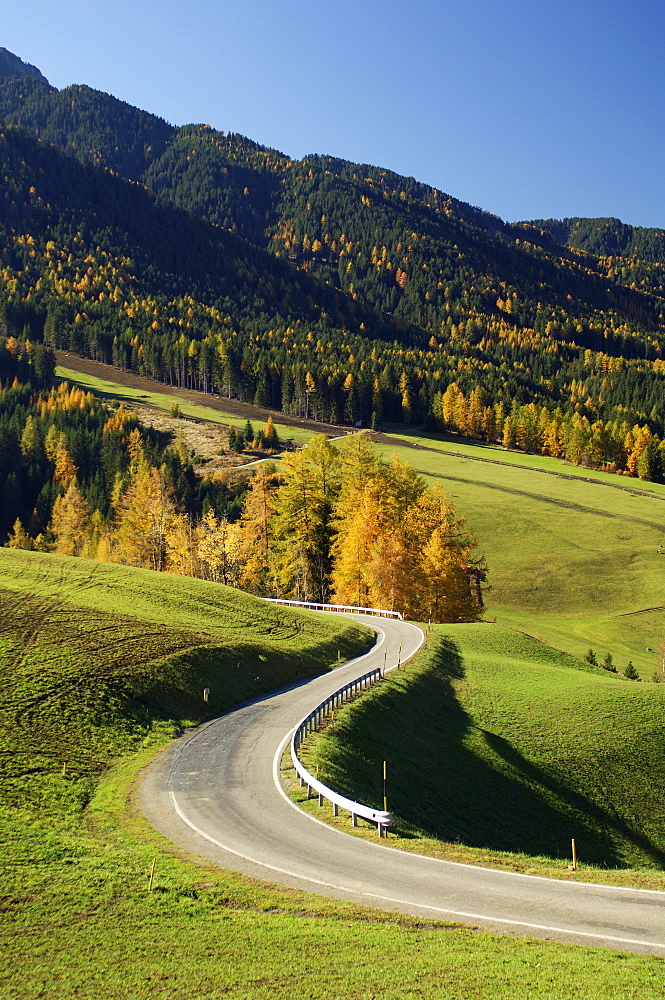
x=577, y=564
x=99, y=665
x=503, y=743
x=96, y=657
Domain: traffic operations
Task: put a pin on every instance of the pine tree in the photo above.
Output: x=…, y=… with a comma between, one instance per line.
x=608, y=664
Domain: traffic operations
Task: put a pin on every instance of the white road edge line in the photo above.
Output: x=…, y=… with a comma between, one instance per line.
x=404, y=902
x=276, y=769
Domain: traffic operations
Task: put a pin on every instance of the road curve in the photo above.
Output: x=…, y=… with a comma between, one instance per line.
x=216, y=792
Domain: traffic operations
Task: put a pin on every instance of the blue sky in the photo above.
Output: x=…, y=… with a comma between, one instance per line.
x=529, y=109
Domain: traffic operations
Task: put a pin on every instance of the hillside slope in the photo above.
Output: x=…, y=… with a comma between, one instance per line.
x=606, y=237
x=576, y=563
x=501, y=742
x=451, y=293
x=95, y=904
x=95, y=658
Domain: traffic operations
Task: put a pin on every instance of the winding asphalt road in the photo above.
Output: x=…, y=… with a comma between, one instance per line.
x=217, y=793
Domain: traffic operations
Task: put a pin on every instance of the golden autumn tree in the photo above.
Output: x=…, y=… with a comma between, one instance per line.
x=446, y=579
x=180, y=546
x=143, y=514
x=255, y=543
x=360, y=528
x=304, y=505
x=359, y=466
x=218, y=549
x=18, y=537
x=372, y=559
x=32, y=448
x=270, y=438
x=401, y=547
x=71, y=522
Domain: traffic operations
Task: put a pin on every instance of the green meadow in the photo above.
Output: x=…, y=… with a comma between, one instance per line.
x=576, y=564
x=460, y=446
x=166, y=401
x=99, y=666
x=503, y=744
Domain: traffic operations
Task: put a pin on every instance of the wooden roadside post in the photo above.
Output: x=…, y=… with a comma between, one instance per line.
x=574, y=864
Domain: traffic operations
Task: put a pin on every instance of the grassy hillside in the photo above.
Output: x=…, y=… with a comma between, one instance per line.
x=98, y=665
x=498, y=741
x=576, y=564
x=107, y=389
x=95, y=657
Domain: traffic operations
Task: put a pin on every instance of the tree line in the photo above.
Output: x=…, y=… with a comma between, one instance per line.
x=81, y=478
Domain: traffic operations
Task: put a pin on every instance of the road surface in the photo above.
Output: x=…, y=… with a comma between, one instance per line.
x=217, y=793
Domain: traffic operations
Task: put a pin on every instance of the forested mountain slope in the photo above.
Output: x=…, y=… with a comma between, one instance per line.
x=12, y=67
x=606, y=237
x=387, y=295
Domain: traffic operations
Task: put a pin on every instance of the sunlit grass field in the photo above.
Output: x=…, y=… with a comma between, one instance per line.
x=99, y=666
x=578, y=565
x=501, y=743
x=465, y=447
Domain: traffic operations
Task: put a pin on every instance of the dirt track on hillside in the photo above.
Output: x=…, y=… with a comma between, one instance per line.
x=247, y=411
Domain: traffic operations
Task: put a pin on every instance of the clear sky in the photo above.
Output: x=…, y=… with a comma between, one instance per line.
x=528, y=108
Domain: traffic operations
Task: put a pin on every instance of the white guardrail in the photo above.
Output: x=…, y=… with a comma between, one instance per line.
x=314, y=606
x=309, y=725
x=312, y=722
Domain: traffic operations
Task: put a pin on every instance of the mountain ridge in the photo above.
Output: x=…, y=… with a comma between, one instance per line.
x=377, y=294
x=12, y=66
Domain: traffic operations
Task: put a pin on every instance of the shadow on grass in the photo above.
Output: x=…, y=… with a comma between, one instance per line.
x=458, y=782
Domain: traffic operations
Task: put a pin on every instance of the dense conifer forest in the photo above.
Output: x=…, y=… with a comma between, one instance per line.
x=328, y=289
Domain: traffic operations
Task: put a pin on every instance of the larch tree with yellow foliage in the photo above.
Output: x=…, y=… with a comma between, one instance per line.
x=254, y=544
x=71, y=523
x=144, y=512
x=218, y=549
